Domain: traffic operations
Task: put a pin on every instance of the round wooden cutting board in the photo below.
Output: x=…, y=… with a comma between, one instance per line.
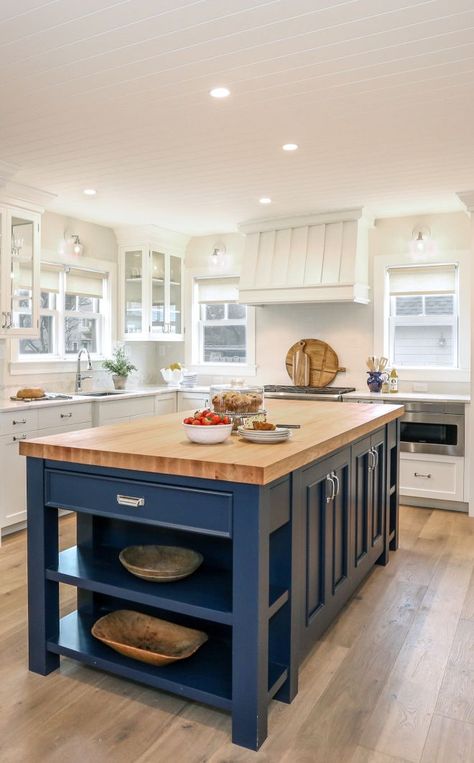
x=312, y=362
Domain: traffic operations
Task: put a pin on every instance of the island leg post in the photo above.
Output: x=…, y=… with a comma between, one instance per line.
x=43, y=594
x=250, y=618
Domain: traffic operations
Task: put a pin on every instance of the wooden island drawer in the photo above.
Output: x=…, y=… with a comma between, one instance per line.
x=190, y=509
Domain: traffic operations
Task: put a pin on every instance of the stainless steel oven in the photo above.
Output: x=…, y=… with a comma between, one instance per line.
x=433, y=428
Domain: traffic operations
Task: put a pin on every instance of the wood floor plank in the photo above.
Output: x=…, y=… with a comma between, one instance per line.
x=397, y=630
x=456, y=696
x=449, y=741
x=401, y=718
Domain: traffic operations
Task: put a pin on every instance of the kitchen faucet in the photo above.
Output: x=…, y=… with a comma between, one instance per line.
x=80, y=377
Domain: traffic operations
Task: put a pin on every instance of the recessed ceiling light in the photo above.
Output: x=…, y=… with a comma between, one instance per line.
x=219, y=92
x=89, y=192
x=265, y=200
x=289, y=146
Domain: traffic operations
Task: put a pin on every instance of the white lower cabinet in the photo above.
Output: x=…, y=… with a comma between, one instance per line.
x=192, y=401
x=165, y=403
x=13, y=482
x=431, y=476
x=120, y=411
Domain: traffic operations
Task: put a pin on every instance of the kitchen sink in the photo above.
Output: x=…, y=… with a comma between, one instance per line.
x=108, y=393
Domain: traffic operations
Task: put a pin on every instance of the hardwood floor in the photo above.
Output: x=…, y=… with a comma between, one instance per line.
x=392, y=680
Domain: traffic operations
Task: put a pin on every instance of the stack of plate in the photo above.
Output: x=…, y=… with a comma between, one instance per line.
x=189, y=379
x=280, y=434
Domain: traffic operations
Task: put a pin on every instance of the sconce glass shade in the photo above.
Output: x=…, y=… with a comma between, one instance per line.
x=219, y=259
x=421, y=242
x=71, y=245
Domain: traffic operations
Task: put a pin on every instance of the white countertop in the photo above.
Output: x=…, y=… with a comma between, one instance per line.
x=394, y=397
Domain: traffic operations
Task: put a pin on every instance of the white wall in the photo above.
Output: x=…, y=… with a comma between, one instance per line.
x=348, y=328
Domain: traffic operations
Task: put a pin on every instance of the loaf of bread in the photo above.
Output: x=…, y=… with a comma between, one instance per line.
x=26, y=392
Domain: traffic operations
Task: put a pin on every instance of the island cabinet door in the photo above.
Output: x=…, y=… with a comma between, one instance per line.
x=368, y=496
x=325, y=507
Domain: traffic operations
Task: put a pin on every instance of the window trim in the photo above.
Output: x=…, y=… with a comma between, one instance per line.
x=382, y=263
x=193, y=326
x=53, y=364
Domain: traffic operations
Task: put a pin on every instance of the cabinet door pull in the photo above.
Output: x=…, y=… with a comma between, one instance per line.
x=20, y=421
x=65, y=415
x=4, y=319
x=376, y=456
x=331, y=497
x=19, y=437
x=371, y=457
x=129, y=500
x=338, y=483
x=10, y=320
x=419, y=474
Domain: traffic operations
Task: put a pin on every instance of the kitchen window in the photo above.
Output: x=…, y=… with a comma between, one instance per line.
x=72, y=314
x=423, y=316
x=223, y=335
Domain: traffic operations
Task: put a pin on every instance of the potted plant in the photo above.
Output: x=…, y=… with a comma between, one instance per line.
x=119, y=366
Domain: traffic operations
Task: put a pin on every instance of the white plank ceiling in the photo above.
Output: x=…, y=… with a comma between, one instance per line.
x=113, y=94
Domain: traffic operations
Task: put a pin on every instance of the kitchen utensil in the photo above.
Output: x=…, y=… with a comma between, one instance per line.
x=160, y=564
x=323, y=362
x=383, y=363
x=145, y=638
x=301, y=367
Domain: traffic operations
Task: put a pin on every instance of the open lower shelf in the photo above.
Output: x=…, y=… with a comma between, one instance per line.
x=207, y=594
x=205, y=677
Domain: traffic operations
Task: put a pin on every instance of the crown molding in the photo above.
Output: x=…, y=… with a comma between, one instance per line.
x=26, y=196
x=299, y=221
x=467, y=198
x=151, y=235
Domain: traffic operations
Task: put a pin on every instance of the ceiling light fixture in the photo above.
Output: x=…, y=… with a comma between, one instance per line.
x=265, y=200
x=89, y=192
x=219, y=92
x=290, y=146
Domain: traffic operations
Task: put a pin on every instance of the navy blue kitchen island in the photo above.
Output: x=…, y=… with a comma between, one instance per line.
x=287, y=532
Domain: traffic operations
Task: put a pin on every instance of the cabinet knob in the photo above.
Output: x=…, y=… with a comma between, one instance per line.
x=65, y=415
x=19, y=437
x=129, y=500
x=425, y=476
x=19, y=421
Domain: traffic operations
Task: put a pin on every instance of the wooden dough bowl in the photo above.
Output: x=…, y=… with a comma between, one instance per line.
x=160, y=564
x=145, y=638
x=321, y=359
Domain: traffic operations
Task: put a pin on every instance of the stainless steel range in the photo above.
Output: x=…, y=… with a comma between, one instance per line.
x=291, y=392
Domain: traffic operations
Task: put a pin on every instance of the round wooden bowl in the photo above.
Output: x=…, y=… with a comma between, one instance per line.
x=145, y=638
x=160, y=564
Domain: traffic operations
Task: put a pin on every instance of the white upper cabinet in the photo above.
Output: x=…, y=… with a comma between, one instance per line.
x=315, y=258
x=20, y=232
x=151, y=284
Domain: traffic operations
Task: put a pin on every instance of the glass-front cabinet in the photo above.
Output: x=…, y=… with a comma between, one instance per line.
x=19, y=271
x=152, y=294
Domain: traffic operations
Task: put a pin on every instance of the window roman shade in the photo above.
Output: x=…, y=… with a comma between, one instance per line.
x=85, y=283
x=212, y=291
x=422, y=279
x=49, y=277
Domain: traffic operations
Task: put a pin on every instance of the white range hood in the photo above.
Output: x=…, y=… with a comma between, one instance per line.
x=313, y=258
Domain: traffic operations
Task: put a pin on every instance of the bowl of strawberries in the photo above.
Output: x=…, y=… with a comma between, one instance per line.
x=207, y=427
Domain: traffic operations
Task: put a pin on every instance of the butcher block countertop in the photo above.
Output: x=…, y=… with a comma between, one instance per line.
x=159, y=444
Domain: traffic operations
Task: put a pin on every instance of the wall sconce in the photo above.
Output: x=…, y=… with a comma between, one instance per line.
x=219, y=259
x=71, y=245
x=421, y=242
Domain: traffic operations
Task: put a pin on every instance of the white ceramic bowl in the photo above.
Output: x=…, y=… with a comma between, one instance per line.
x=172, y=377
x=208, y=435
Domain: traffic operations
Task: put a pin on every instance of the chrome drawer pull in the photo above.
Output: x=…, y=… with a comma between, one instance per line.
x=418, y=474
x=65, y=415
x=129, y=500
x=20, y=421
x=20, y=437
